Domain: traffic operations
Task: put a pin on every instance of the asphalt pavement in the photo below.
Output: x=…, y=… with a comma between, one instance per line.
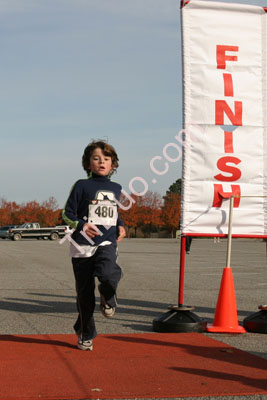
x=38, y=294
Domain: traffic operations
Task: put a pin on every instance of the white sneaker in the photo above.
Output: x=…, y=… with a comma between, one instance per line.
x=84, y=343
x=106, y=309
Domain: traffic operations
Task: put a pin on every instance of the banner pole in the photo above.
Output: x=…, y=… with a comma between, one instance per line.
x=229, y=240
x=182, y=271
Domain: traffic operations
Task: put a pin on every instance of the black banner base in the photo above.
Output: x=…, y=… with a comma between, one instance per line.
x=179, y=319
x=257, y=322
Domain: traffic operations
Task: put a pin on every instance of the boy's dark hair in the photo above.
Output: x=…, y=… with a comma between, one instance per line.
x=107, y=149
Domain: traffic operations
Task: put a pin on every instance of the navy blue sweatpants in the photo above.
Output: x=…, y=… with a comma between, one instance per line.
x=103, y=265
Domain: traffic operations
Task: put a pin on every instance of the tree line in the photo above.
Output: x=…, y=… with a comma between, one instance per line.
x=151, y=213
x=47, y=213
x=144, y=215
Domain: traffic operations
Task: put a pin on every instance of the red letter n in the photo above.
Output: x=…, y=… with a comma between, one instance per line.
x=219, y=195
x=221, y=108
x=222, y=57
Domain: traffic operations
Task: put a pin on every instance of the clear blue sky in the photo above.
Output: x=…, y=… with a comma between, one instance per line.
x=76, y=70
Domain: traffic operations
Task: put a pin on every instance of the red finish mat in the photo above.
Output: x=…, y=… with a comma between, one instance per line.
x=152, y=365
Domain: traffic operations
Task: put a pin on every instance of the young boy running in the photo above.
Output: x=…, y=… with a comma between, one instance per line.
x=92, y=211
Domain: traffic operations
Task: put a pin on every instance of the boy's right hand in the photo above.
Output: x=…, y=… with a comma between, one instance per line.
x=90, y=230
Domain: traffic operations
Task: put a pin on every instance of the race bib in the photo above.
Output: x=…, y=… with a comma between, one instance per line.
x=103, y=212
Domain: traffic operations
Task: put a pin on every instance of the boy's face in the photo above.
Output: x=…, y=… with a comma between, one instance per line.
x=99, y=163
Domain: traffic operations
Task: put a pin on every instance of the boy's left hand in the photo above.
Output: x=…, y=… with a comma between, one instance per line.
x=122, y=233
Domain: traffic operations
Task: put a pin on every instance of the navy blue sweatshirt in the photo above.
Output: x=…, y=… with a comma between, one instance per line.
x=75, y=213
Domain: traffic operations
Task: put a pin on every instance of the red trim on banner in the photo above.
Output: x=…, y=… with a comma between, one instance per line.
x=225, y=235
x=184, y=3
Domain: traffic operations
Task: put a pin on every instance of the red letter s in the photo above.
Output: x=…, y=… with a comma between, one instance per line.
x=223, y=166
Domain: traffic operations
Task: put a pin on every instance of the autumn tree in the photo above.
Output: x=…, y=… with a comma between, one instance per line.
x=131, y=214
x=150, y=211
x=50, y=213
x=28, y=212
x=8, y=211
x=171, y=211
x=142, y=212
x=47, y=213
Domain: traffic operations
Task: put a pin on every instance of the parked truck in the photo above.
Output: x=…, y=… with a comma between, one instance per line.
x=33, y=230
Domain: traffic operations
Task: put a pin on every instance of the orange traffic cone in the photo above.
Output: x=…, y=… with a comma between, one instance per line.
x=225, y=319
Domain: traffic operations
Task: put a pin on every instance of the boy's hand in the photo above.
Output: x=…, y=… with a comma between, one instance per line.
x=122, y=233
x=90, y=230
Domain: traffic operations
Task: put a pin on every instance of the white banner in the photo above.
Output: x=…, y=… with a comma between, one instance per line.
x=225, y=111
